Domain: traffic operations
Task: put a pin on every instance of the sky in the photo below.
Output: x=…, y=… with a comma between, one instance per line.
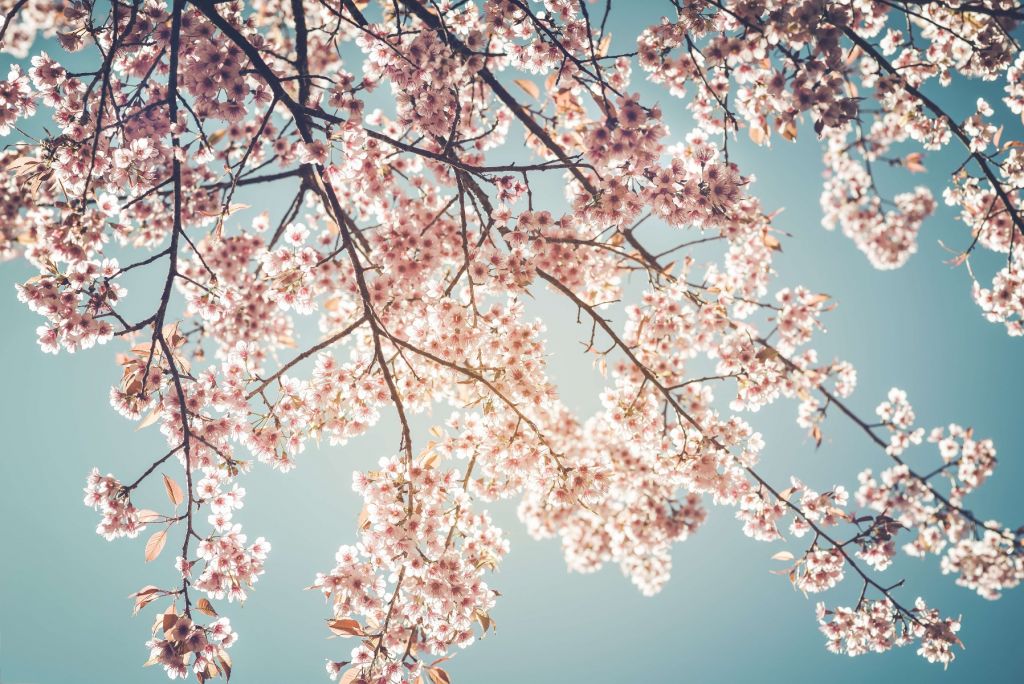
x=64, y=612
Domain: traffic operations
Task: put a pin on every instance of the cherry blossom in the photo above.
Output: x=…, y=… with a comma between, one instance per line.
x=417, y=143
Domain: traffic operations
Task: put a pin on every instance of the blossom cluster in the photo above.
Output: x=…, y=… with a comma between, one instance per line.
x=415, y=580
x=399, y=277
x=183, y=647
x=984, y=555
x=120, y=518
x=878, y=626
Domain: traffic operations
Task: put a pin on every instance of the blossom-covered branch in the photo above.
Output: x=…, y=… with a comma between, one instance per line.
x=397, y=279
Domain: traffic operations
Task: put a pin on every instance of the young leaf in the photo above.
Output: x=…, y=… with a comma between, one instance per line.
x=438, y=676
x=151, y=418
x=912, y=162
x=155, y=545
x=350, y=676
x=144, y=597
x=225, y=663
x=346, y=627
x=529, y=87
x=147, y=516
x=174, y=492
x=204, y=606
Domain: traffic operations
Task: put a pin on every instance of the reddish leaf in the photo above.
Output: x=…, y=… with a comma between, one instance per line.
x=155, y=545
x=204, y=606
x=167, y=620
x=143, y=597
x=153, y=416
x=529, y=87
x=346, y=627
x=216, y=136
x=147, y=516
x=485, y=621
x=350, y=677
x=225, y=663
x=174, y=492
x=759, y=135
x=789, y=131
x=222, y=211
x=912, y=162
x=430, y=460
x=438, y=676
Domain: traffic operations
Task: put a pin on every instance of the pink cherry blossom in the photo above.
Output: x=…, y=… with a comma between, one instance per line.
x=417, y=143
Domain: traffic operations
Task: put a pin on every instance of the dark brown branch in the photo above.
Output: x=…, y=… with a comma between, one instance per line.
x=958, y=131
